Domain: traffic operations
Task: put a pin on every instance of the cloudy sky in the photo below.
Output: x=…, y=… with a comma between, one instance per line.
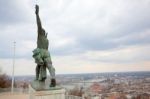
x=86, y=36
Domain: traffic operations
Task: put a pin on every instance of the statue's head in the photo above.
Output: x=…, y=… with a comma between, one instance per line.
x=37, y=56
x=43, y=31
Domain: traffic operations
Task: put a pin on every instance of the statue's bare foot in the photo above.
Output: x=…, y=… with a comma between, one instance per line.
x=53, y=83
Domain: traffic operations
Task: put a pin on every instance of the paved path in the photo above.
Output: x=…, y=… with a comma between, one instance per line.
x=14, y=96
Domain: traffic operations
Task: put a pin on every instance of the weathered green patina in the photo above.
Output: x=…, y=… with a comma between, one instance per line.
x=42, y=55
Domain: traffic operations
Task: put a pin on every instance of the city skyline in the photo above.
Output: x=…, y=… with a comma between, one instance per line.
x=85, y=36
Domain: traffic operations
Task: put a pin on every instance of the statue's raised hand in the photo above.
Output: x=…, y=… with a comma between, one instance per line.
x=36, y=9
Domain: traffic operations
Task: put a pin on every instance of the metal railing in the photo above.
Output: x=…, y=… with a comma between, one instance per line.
x=72, y=97
x=18, y=90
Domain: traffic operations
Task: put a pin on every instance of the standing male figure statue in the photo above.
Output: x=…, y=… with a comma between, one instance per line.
x=41, y=54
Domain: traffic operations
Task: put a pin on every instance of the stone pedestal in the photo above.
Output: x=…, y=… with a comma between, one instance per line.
x=58, y=93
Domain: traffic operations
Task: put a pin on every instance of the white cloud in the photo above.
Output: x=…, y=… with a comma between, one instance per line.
x=92, y=34
x=22, y=66
x=129, y=54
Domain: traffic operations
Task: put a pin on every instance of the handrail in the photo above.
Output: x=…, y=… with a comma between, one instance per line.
x=72, y=97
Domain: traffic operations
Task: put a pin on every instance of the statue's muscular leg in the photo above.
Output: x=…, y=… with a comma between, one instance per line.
x=52, y=73
x=42, y=73
x=37, y=70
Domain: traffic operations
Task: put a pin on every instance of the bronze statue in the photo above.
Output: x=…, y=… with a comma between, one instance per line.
x=42, y=55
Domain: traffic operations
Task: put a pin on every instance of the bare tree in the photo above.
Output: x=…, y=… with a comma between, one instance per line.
x=76, y=92
x=5, y=81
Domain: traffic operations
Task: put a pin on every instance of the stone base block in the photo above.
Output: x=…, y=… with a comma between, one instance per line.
x=46, y=94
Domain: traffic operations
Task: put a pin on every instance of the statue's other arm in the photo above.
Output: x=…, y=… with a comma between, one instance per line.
x=39, y=25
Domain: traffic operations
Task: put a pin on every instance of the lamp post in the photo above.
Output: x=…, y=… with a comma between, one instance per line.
x=12, y=84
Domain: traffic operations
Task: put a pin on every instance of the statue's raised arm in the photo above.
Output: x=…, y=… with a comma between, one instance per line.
x=39, y=25
x=42, y=41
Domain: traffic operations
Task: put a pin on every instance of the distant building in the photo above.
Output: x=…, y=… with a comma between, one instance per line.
x=96, y=88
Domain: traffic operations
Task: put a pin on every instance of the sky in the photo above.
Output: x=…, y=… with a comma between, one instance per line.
x=85, y=36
